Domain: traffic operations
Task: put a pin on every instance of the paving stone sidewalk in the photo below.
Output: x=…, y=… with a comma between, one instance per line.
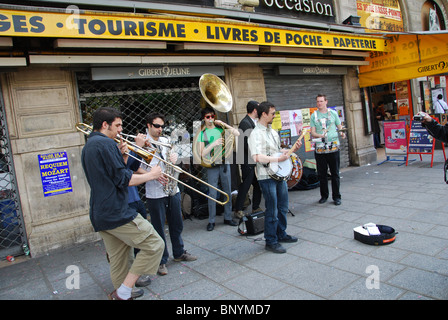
x=325, y=264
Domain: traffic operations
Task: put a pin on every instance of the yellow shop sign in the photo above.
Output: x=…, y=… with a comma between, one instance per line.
x=169, y=28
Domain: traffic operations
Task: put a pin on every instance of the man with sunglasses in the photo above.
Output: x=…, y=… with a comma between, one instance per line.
x=161, y=206
x=210, y=141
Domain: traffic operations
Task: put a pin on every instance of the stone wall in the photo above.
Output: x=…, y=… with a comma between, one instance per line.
x=42, y=111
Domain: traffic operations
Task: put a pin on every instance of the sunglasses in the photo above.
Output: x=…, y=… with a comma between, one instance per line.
x=210, y=116
x=157, y=126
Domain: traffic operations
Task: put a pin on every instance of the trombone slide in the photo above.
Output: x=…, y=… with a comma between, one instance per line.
x=86, y=129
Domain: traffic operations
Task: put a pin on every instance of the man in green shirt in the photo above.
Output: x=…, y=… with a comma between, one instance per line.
x=211, y=142
x=325, y=124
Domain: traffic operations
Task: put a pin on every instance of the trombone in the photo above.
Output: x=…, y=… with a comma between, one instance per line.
x=167, y=145
x=147, y=155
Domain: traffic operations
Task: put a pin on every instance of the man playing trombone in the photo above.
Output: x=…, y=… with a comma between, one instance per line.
x=120, y=226
x=212, y=145
x=163, y=203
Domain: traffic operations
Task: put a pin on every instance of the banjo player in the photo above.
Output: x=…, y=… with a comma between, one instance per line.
x=263, y=143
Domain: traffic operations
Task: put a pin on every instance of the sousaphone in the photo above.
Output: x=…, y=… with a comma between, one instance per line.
x=215, y=93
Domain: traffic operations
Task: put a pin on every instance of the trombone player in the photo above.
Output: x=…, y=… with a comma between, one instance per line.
x=120, y=226
x=161, y=204
x=212, y=144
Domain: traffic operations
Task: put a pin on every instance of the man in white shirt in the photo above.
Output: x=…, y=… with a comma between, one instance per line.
x=264, y=145
x=160, y=205
x=440, y=106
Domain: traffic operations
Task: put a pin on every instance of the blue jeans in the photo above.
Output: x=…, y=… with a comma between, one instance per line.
x=170, y=208
x=275, y=194
x=214, y=174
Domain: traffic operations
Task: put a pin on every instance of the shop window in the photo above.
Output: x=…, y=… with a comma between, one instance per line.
x=432, y=17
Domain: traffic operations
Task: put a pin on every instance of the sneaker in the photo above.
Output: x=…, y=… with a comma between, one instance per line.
x=114, y=296
x=186, y=256
x=143, y=281
x=163, y=271
x=276, y=248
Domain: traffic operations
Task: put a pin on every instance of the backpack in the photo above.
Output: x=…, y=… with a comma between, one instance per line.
x=309, y=180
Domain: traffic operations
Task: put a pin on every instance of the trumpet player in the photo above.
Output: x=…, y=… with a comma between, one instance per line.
x=210, y=141
x=118, y=224
x=161, y=205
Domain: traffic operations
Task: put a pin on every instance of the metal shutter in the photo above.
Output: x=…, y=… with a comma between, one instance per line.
x=289, y=92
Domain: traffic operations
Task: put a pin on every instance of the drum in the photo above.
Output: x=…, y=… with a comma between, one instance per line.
x=297, y=171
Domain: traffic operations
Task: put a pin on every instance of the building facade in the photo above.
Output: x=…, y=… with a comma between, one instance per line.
x=61, y=60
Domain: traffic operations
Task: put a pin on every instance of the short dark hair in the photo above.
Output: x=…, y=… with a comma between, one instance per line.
x=206, y=110
x=107, y=114
x=440, y=96
x=152, y=116
x=264, y=107
x=321, y=95
x=251, y=105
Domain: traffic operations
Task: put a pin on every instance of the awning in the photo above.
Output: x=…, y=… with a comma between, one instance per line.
x=411, y=55
x=127, y=26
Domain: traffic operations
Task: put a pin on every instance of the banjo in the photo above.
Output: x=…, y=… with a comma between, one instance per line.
x=282, y=170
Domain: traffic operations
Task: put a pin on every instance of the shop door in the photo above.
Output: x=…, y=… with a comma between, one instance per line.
x=12, y=231
x=289, y=92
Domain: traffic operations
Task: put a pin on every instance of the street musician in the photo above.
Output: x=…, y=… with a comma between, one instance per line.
x=213, y=146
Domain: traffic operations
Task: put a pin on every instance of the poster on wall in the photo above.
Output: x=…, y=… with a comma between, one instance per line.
x=290, y=123
x=425, y=92
x=285, y=137
x=395, y=137
x=55, y=173
x=340, y=111
x=402, y=95
x=380, y=14
x=289, y=119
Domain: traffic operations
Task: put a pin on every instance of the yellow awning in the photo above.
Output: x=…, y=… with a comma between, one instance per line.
x=127, y=26
x=410, y=56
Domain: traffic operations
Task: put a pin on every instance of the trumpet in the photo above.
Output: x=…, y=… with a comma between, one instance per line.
x=148, y=155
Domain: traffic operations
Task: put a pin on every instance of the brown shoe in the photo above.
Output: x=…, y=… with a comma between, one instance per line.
x=163, y=271
x=114, y=296
x=239, y=214
x=186, y=256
